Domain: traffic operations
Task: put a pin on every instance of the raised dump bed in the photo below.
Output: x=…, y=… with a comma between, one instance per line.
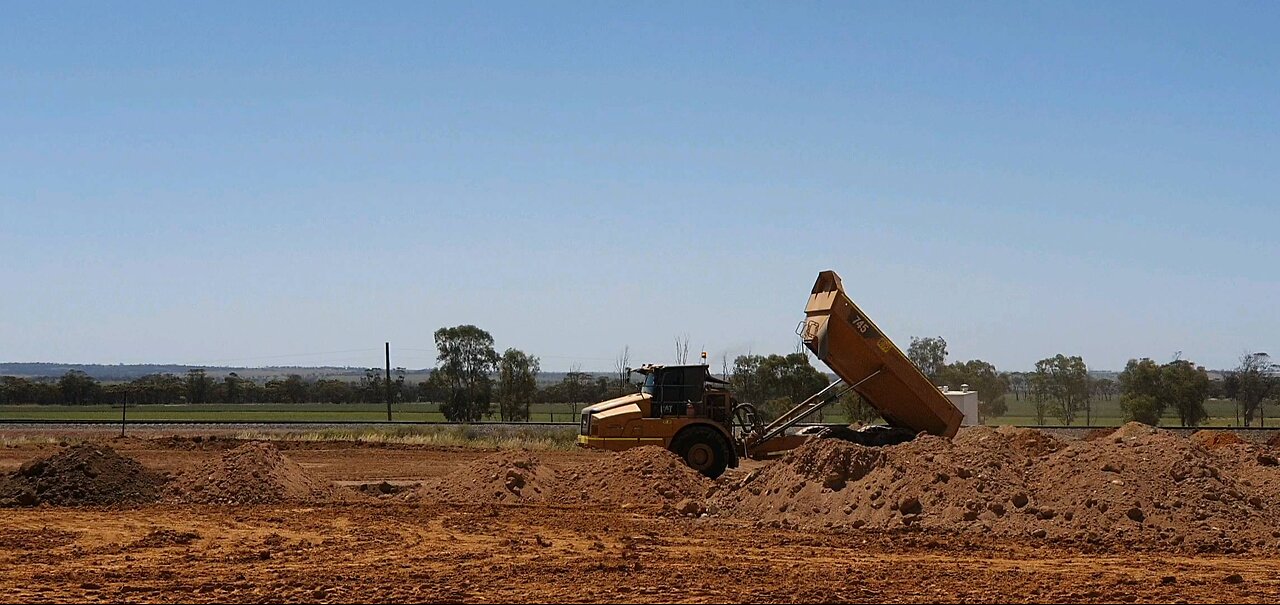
x=842, y=336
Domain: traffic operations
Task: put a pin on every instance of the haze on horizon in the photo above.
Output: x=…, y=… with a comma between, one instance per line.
x=295, y=183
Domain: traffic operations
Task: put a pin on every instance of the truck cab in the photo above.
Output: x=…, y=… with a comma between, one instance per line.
x=679, y=407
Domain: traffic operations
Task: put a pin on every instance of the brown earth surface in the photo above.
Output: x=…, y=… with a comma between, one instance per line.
x=556, y=547
x=1143, y=488
x=252, y=473
x=80, y=474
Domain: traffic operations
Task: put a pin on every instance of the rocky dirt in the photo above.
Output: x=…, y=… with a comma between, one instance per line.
x=252, y=473
x=647, y=475
x=1003, y=515
x=639, y=476
x=500, y=477
x=1212, y=440
x=393, y=552
x=1139, y=487
x=78, y=475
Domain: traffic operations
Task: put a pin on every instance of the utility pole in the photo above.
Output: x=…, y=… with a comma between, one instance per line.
x=124, y=404
x=388, y=382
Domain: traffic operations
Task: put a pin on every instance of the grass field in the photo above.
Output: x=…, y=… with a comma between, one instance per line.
x=272, y=412
x=1106, y=413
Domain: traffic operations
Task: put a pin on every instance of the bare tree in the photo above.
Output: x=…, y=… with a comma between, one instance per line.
x=682, y=349
x=621, y=365
x=573, y=380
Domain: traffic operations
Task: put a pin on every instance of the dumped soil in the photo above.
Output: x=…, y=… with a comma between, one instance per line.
x=648, y=475
x=501, y=477
x=78, y=475
x=253, y=473
x=1140, y=487
x=1212, y=440
x=639, y=476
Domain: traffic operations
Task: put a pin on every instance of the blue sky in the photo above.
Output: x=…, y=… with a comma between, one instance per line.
x=295, y=183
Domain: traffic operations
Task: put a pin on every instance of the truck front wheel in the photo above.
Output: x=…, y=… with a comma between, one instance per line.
x=703, y=449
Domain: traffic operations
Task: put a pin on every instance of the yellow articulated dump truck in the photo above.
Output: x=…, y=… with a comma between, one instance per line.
x=687, y=410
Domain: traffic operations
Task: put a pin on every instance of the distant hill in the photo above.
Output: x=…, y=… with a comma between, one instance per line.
x=126, y=372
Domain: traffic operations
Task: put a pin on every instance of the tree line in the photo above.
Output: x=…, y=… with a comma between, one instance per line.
x=472, y=381
x=1061, y=387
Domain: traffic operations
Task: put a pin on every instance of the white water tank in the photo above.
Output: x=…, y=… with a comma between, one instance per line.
x=966, y=401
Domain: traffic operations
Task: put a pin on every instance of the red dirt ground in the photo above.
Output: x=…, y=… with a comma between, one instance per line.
x=564, y=550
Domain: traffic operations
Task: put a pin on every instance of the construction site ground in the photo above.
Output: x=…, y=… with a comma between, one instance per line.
x=391, y=542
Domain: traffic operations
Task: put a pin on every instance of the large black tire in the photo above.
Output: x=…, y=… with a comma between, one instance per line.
x=704, y=449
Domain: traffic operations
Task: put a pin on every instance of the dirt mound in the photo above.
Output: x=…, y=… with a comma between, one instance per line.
x=929, y=481
x=1274, y=441
x=1026, y=441
x=1096, y=434
x=644, y=475
x=501, y=477
x=253, y=473
x=84, y=474
x=1132, y=430
x=1213, y=440
x=1140, y=486
x=1154, y=488
x=192, y=442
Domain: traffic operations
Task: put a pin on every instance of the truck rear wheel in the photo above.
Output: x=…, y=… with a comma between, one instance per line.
x=703, y=449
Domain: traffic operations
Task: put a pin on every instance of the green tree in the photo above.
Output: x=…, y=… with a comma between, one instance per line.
x=431, y=390
x=1142, y=377
x=517, y=384
x=1018, y=384
x=465, y=361
x=399, y=390
x=294, y=389
x=929, y=354
x=1252, y=383
x=159, y=389
x=777, y=382
x=1185, y=386
x=1179, y=384
x=1103, y=388
x=1064, y=381
x=331, y=390
x=745, y=378
x=1068, y=381
x=14, y=389
x=233, y=385
x=198, y=386
x=857, y=410
x=982, y=377
x=373, y=388
x=1038, y=392
x=1140, y=408
x=78, y=388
